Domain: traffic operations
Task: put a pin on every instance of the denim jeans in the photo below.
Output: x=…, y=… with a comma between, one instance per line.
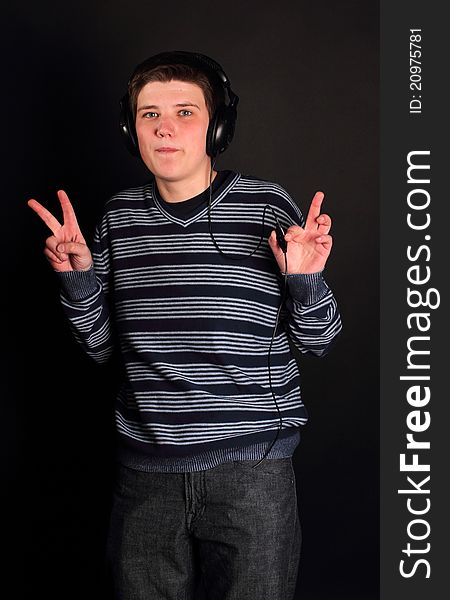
x=227, y=533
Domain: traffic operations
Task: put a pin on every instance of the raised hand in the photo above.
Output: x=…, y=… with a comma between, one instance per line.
x=308, y=247
x=66, y=249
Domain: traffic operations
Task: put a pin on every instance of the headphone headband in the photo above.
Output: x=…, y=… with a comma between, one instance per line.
x=221, y=127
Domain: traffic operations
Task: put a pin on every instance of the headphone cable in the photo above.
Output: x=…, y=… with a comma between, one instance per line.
x=284, y=249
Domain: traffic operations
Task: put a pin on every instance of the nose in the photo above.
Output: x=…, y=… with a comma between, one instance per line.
x=165, y=127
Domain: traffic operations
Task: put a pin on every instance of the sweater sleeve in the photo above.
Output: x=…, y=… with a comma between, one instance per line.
x=312, y=320
x=312, y=316
x=84, y=298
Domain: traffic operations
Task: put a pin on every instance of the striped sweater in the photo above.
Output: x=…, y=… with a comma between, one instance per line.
x=194, y=327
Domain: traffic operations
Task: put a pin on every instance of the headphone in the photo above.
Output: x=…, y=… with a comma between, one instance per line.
x=221, y=125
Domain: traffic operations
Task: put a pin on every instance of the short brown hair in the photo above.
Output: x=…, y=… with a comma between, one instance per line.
x=147, y=71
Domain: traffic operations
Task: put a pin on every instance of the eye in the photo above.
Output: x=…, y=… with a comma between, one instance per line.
x=185, y=112
x=146, y=115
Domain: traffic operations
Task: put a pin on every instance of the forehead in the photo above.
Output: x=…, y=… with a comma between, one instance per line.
x=171, y=91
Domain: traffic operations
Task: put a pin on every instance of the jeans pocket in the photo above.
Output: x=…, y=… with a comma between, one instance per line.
x=276, y=469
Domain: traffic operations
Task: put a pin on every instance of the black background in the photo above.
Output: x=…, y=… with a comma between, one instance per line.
x=307, y=77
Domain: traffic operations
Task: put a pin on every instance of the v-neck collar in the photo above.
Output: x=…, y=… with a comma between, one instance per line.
x=198, y=205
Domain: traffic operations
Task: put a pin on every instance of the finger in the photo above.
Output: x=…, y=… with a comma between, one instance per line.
x=273, y=240
x=52, y=223
x=56, y=264
x=52, y=257
x=294, y=233
x=52, y=244
x=70, y=220
x=314, y=210
x=294, y=230
x=72, y=248
x=324, y=224
x=324, y=240
x=273, y=243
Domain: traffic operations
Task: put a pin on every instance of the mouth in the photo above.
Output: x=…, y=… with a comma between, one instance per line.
x=166, y=150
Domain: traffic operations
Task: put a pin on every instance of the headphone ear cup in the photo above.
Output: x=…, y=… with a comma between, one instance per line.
x=220, y=130
x=127, y=126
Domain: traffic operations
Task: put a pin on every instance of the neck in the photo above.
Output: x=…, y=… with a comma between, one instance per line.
x=178, y=191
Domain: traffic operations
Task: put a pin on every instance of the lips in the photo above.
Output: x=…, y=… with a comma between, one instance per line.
x=166, y=149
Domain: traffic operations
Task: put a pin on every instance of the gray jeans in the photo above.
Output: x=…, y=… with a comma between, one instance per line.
x=227, y=533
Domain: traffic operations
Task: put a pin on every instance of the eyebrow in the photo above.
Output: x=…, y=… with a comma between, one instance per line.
x=148, y=106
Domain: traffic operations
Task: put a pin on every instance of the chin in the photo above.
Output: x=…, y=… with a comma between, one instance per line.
x=161, y=172
x=166, y=175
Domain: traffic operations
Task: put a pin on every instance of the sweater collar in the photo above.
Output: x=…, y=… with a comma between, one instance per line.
x=190, y=210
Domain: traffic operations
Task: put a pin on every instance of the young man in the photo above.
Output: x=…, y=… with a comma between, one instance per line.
x=188, y=279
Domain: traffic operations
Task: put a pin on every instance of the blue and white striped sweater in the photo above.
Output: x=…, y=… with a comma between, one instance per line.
x=194, y=327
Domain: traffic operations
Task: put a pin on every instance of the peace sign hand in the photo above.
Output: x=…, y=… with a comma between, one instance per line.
x=308, y=247
x=66, y=249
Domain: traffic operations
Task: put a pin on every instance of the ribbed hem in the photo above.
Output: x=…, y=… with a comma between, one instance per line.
x=307, y=288
x=283, y=448
x=78, y=285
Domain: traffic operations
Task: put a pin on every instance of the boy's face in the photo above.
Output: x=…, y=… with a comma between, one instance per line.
x=171, y=124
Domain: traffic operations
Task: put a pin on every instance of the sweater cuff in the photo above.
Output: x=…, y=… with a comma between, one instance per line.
x=307, y=288
x=78, y=285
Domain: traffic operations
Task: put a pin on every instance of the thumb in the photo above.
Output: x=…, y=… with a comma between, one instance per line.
x=273, y=243
x=273, y=239
x=72, y=248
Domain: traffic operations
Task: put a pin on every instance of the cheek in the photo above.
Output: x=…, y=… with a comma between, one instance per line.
x=141, y=132
x=197, y=127
x=197, y=136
